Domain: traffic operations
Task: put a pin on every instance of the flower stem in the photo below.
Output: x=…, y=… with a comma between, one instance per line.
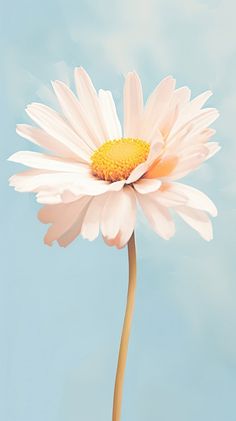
x=117, y=400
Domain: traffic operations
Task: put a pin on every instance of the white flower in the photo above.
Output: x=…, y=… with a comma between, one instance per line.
x=95, y=174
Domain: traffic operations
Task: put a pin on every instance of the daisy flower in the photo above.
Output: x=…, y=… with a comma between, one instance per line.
x=96, y=173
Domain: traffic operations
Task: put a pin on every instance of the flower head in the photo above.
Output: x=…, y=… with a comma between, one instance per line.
x=95, y=174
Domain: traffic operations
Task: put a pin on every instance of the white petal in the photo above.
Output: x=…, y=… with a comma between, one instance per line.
x=154, y=135
x=55, y=126
x=48, y=198
x=109, y=224
x=197, y=103
x=89, y=100
x=194, y=125
x=168, y=197
x=47, y=162
x=213, y=148
x=181, y=97
x=179, y=100
x=91, y=187
x=41, y=138
x=146, y=185
x=118, y=217
x=191, y=109
x=198, y=220
x=192, y=140
x=110, y=116
x=67, y=196
x=33, y=182
x=92, y=217
x=195, y=198
x=158, y=216
x=191, y=149
x=75, y=114
x=133, y=105
x=166, y=124
x=205, y=118
x=156, y=106
x=78, y=184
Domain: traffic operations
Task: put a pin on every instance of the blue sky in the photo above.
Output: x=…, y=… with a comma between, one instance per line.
x=61, y=310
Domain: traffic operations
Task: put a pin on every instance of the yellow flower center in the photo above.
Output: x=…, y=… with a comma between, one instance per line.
x=115, y=159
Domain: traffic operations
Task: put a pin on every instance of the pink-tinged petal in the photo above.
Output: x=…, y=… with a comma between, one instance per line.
x=213, y=148
x=75, y=114
x=155, y=151
x=156, y=106
x=62, y=218
x=74, y=231
x=195, y=198
x=90, y=102
x=49, y=213
x=41, y=138
x=118, y=217
x=188, y=163
x=113, y=241
x=92, y=217
x=137, y=173
x=47, y=162
x=158, y=216
x=162, y=167
x=144, y=185
x=192, y=165
x=55, y=126
x=198, y=220
x=61, y=225
x=133, y=105
x=110, y=116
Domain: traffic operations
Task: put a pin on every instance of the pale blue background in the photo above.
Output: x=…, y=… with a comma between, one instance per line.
x=61, y=310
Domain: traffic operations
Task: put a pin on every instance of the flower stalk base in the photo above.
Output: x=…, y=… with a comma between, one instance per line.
x=117, y=400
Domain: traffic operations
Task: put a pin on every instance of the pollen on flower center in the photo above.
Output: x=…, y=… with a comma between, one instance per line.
x=115, y=159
